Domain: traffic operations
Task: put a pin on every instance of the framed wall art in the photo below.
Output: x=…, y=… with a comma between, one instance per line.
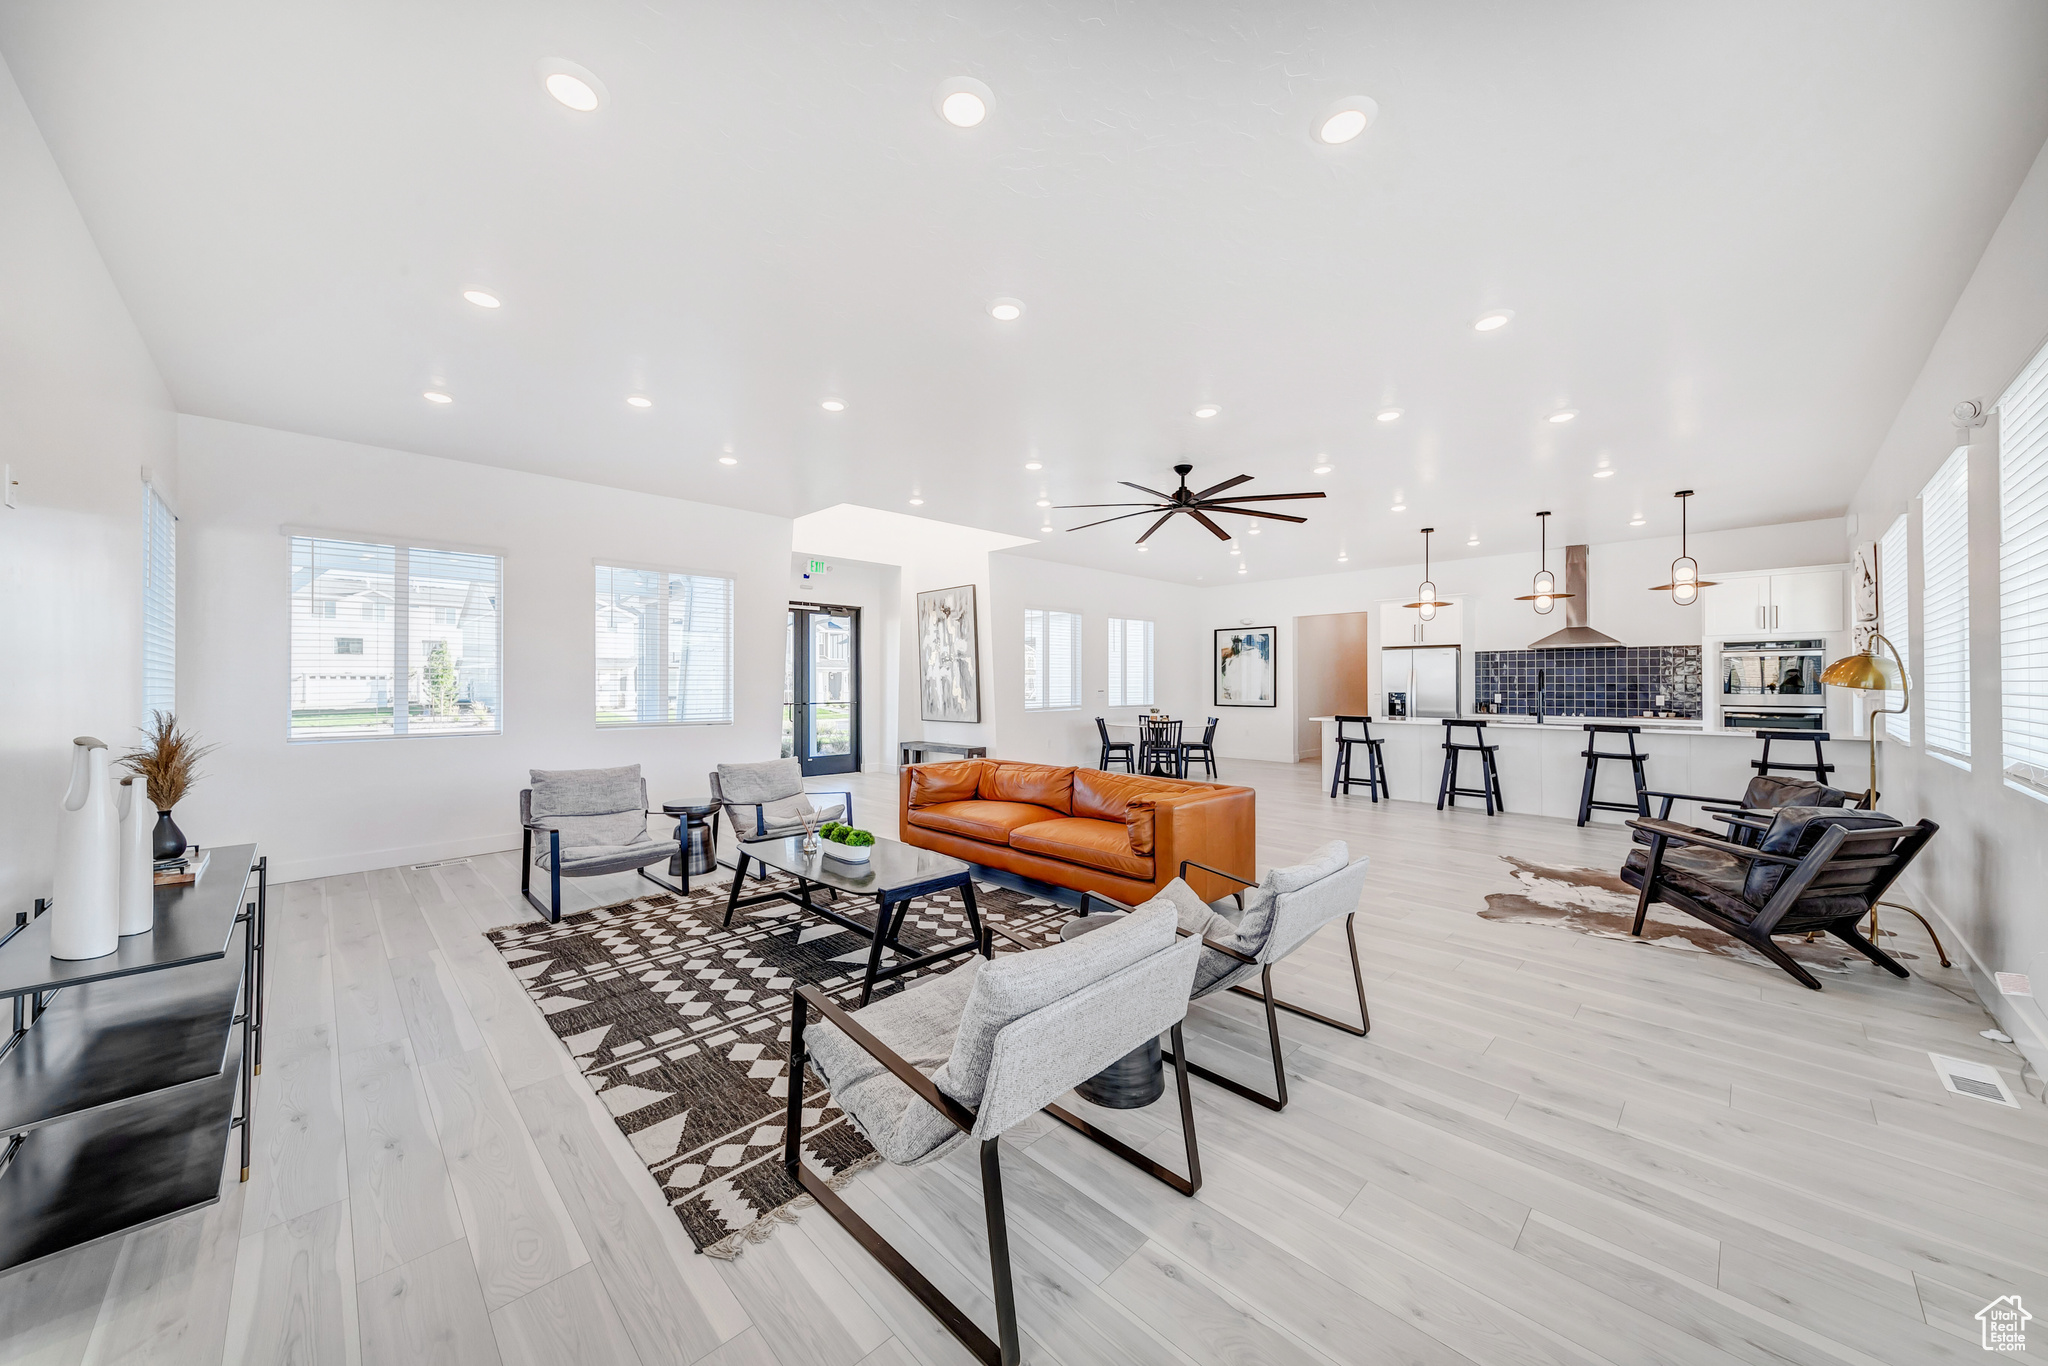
x=948, y=655
x=1247, y=666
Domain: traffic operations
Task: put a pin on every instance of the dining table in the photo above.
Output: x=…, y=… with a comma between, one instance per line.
x=1160, y=764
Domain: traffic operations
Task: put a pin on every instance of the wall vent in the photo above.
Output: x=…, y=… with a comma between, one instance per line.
x=444, y=863
x=1974, y=1079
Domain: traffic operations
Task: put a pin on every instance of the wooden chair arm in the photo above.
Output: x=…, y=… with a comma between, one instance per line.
x=959, y=1115
x=1686, y=834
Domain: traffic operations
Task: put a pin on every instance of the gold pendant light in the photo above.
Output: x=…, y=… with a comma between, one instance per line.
x=1686, y=582
x=1543, y=589
x=1426, y=601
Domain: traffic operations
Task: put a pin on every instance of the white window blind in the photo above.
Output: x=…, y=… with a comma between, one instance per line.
x=1130, y=663
x=664, y=648
x=394, y=640
x=1052, y=660
x=159, y=606
x=1894, y=617
x=2023, y=576
x=1945, y=608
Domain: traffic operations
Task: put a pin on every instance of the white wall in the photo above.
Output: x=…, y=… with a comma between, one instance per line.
x=1983, y=874
x=338, y=806
x=1618, y=574
x=82, y=413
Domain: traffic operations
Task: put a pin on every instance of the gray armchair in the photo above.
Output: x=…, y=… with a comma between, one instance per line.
x=595, y=821
x=974, y=1052
x=1254, y=929
x=767, y=801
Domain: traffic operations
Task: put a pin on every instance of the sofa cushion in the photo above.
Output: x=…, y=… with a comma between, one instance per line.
x=931, y=784
x=1039, y=784
x=1768, y=791
x=978, y=820
x=1691, y=858
x=1106, y=796
x=1794, y=831
x=1093, y=844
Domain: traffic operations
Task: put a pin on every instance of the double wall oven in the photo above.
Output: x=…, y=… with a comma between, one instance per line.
x=1773, y=684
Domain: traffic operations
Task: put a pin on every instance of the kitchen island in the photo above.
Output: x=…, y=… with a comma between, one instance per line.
x=1542, y=768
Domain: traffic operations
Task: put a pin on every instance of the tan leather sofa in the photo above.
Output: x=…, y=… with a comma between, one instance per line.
x=1123, y=835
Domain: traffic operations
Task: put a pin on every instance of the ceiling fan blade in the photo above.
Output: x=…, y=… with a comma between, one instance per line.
x=1267, y=497
x=1221, y=534
x=1156, y=525
x=1163, y=497
x=1105, y=505
x=1226, y=484
x=1107, y=520
x=1254, y=512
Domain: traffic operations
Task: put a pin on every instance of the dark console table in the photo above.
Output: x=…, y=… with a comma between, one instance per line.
x=123, y=1077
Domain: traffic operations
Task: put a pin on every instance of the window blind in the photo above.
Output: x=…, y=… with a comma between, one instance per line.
x=2023, y=576
x=394, y=640
x=1945, y=608
x=1130, y=663
x=1894, y=617
x=159, y=606
x=664, y=648
x=1052, y=660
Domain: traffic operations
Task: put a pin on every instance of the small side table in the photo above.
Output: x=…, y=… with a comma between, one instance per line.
x=697, y=831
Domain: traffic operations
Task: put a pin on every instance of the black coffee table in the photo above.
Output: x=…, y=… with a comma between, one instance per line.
x=894, y=875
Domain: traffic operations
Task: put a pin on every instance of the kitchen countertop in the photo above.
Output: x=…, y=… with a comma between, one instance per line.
x=1575, y=723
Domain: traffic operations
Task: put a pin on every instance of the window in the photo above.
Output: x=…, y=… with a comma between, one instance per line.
x=448, y=672
x=664, y=648
x=2023, y=576
x=159, y=606
x=1052, y=660
x=1894, y=618
x=1130, y=663
x=1945, y=609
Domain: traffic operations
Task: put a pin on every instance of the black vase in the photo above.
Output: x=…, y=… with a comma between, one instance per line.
x=169, y=840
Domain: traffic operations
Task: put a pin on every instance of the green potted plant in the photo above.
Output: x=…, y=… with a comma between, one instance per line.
x=847, y=844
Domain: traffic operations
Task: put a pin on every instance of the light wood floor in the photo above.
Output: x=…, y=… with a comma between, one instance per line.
x=1551, y=1149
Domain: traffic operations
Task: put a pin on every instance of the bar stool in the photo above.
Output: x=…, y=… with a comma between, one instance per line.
x=1489, y=772
x=1819, y=768
x=1375, y=778
x=1594, y=754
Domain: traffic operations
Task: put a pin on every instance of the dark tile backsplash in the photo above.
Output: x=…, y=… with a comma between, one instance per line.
x=1611, y=680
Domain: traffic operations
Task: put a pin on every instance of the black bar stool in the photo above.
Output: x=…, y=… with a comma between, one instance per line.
x=1489, y=772
x=1375, y=778
x=1594, y=754
x=1819, y=768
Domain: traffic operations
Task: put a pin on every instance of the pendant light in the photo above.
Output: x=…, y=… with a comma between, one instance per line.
x=1426, y=601
x=1686, y=582
x=1543, y=589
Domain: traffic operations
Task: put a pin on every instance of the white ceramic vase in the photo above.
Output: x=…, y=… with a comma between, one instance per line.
x=138, y=866
x=85, y=916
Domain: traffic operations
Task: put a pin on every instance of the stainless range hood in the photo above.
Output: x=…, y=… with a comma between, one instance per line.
x=1576, y=634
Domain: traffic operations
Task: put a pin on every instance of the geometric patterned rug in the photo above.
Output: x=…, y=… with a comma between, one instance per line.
x=682, y=1029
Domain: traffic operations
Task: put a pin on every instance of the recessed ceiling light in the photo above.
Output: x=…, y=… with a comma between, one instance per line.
x=1240, y=569
x=1254, y=528
x=963, y=101
x=1034, y=465
x=480, y=298
x=1207, y=410
x=1494, y=321
x=1564, y=414
x=1045, y=528
x=1603, y=474
x=1346, y=119
x=727, y=460
x=1636, y=521
x=1343, y=559
x=573, y=91
x=432, y=397
x=1473, y=541
x=1235, y=551
x=917, y=502
x=833, y=405
x=1045, y=502
x=1143, y=548
x=1399, y=507
x=638, y=402
x=1322, y=469
x=1388, y=415
x=1005, y=310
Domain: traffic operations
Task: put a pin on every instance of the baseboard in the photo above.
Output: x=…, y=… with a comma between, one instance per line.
x=2020, y=1016
x=365, y=860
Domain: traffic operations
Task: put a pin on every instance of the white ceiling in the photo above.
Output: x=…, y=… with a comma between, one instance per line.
x=1729, y=234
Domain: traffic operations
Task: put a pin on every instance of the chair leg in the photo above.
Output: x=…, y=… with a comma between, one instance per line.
x=1848, y=935
x=1337, y=769
x=1495, y=803
x=1360, y=1030
x=665, y=886
x=1642, y=909
x=1762, y=944
x=999, y=1249
x=1278, y=1102
x=1586, y=790
x=1186, y=1185
x=1450, y=778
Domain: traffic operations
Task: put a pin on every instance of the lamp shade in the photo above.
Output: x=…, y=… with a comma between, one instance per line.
x=1865, y=672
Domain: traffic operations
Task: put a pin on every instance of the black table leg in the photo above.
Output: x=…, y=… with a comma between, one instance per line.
x=882, y=912
x=732, y=898
x=974, y=917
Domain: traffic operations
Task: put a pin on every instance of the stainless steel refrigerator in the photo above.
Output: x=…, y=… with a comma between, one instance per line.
x=1427, y=675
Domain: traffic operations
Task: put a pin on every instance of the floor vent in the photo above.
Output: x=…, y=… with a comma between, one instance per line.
x=1972, y=1079
x=444, y=863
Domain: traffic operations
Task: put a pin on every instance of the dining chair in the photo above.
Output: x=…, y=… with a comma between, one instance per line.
x=1113, y=750
x=1159, y=747
x=1203, y=749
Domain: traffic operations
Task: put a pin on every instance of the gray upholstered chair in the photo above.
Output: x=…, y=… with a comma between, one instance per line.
x=767, y=801
x=595, y=820
x=972, y=1053
x=1251, y=930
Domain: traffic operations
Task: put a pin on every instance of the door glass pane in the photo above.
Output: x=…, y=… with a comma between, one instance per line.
x=789, y=686
x=831, y=697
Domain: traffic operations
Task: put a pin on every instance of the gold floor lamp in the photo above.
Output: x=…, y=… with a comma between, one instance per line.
x=1870, y=672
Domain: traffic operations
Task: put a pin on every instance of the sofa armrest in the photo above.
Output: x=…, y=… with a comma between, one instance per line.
x=1211, y=830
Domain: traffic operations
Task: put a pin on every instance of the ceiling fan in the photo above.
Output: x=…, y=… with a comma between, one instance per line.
x=1195, y=505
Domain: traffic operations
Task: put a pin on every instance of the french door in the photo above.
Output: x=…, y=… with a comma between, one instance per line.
x=821, y=688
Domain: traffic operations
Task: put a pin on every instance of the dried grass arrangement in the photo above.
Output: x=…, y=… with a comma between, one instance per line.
x=169, y=762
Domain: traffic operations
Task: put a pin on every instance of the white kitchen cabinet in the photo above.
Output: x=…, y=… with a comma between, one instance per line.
x=1792, y=602
x=1401, y=625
